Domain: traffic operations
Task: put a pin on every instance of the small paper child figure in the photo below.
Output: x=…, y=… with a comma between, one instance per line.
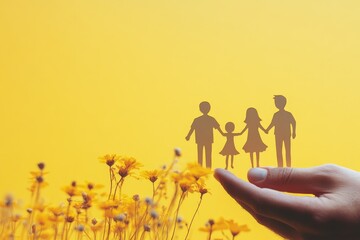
x=229, y=147
x=253, y=144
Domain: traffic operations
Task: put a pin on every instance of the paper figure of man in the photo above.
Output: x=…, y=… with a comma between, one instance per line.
x=204, y=137
x=285, y=128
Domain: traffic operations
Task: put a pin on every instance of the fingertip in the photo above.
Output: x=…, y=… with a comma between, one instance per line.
x=219, y=172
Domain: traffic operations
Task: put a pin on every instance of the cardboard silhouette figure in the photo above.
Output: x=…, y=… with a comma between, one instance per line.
x=283, y=121
x=204, y=137
x=253, y=144
x=229, y=149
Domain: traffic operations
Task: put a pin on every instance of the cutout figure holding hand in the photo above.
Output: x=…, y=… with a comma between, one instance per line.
x=253, y=144
x=229, y=149
x=283, y=121
x=204, y=137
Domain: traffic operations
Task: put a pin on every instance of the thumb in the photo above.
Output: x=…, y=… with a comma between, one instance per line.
x=316, y=180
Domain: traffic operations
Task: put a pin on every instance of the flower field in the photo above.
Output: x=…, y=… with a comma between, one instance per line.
x=120, y=216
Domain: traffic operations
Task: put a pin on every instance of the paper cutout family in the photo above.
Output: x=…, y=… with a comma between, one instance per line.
x=283, y=122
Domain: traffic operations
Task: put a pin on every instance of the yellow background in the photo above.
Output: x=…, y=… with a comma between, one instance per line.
x=79, y=79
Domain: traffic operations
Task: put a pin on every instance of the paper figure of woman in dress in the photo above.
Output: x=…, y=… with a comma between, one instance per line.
x=229, y=149
x=253, y=144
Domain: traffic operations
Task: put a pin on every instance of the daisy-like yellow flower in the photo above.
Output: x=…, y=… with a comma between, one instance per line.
x=35, y=174
x=55, y=219
x=38, y=181
x=198, y=171
x=96, y=226
x=90, y=187
x=201, y=187
x=109, y=159
x=187, y=185
x=212, y=226
x=57, y=211
x=78, y=206
x=119, y=227
x=182, y=176
x=16, y=218
x=127, y=165
x=56, y=214
x=72, y=190
x=127, y=205
x=40, y=206
x=152, y=175
x=235, y=228
x=42, y=219
x=109, y=204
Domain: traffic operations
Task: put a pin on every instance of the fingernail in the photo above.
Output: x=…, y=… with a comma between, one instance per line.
x=257, y=174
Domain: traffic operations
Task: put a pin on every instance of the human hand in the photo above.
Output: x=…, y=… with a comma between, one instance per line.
x=294, y=135
x=187, y=138
x=332, y=214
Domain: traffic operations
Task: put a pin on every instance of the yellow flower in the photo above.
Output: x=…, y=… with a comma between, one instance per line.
x=127, y=165
x=109, y=204
x=42, y=219
x=55, y=219
x=37, y=178
x=70, y=219
x=72, y=190
x=35, y=174
x=91, y=186
x=198, y=171
x=200, y=187
x=57, y=214
x=152, y=175
x=182, y=176
x=40, y=206
x=187, y=184
x=96, y=226
x=16, y=218
x=78, y=206
x=109, y=159
x=235, y=228
x=212, y=226
x=126, y=204
x=119, y=227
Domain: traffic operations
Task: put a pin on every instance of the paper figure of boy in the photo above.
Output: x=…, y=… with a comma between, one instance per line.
x=204, y=137
x=283, y=122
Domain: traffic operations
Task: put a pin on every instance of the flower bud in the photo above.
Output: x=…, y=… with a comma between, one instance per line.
x=177, y=152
